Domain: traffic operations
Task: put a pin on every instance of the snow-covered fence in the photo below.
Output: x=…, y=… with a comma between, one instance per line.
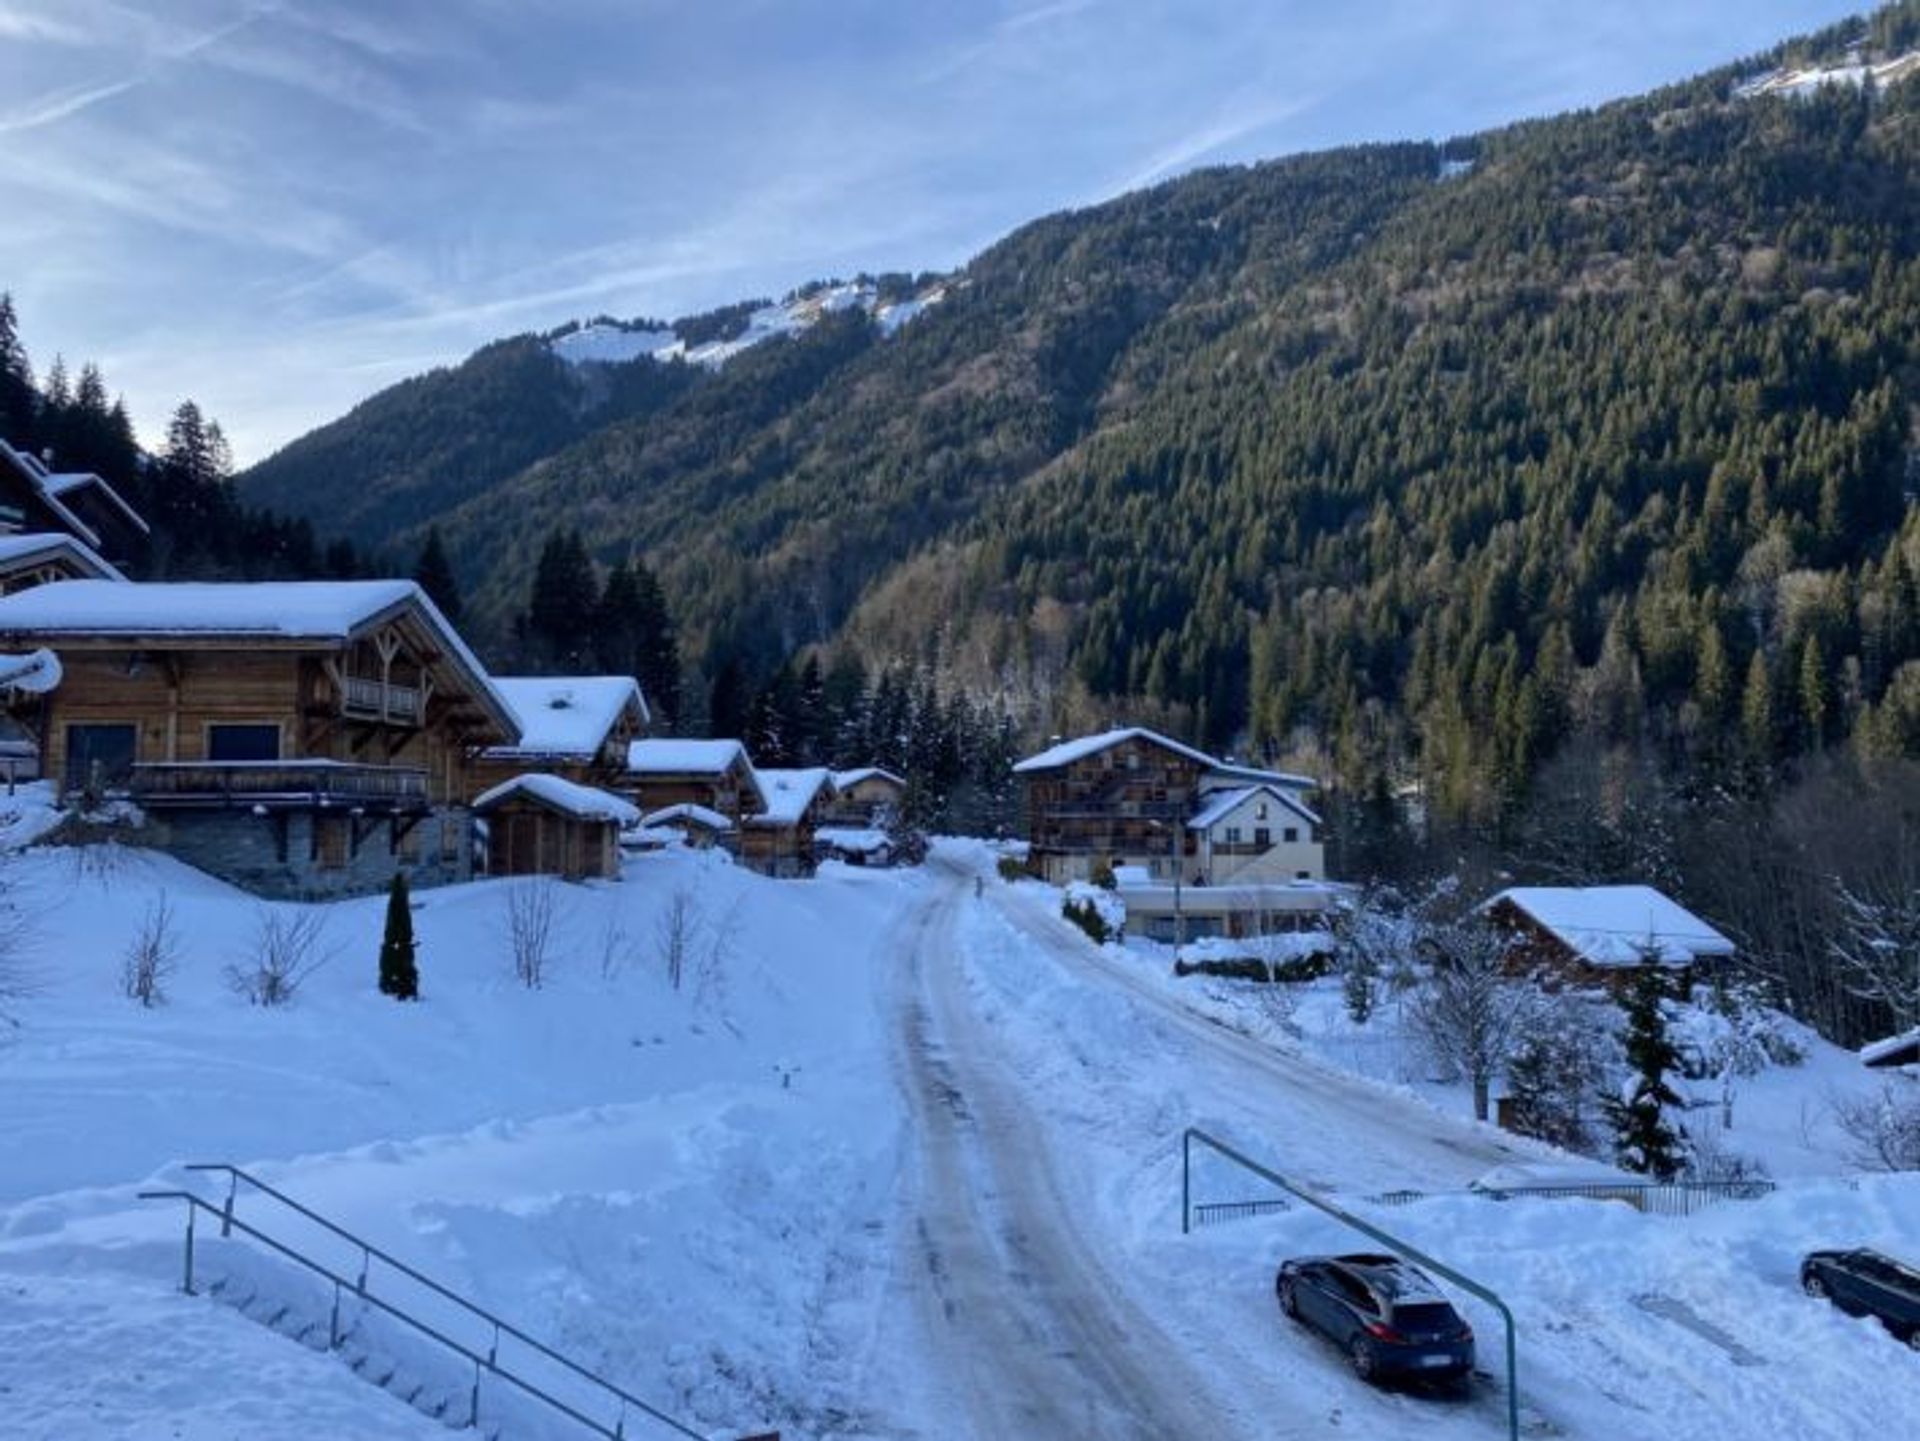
x=415, y=1310
x=1654, y=1198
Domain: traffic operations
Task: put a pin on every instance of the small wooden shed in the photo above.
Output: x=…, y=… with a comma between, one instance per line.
x=542, y=825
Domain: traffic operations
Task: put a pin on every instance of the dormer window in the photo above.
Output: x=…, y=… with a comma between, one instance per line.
x=1260, y=811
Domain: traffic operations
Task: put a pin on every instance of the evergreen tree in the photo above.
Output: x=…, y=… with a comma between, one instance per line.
x=728, y=702
x=434, y=573
x=1644, y=1139
x=562, y=610
x=19, y=402
x=657, y=664
x=399, y=976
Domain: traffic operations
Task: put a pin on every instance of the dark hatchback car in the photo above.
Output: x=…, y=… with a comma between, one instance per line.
x=1866, y=1283
x=1385, y=1314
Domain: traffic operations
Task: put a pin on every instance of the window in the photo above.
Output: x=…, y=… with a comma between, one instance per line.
x=1262, y=837
x=99, y=755
x=1291, y=833
x=1260, y=811
x=243, y=742
x=1302, y=876
x=1233, y=835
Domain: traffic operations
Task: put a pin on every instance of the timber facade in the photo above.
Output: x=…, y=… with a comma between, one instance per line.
x=313, y=742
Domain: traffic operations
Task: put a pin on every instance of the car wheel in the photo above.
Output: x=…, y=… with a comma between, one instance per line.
x=1289, y=1303
x=1814, y=1284
x=1363, y=1360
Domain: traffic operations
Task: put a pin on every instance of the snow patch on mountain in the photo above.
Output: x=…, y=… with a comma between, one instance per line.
x=605, y=342
x=1798, y=84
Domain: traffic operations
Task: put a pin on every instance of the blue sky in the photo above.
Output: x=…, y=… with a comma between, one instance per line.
x=279, y=208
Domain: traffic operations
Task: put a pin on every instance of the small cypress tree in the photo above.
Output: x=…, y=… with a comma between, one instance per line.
x=1644, y=1140
x=399, y=977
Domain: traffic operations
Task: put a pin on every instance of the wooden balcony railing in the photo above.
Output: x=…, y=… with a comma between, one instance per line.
x=399, y=703
x=309, y=782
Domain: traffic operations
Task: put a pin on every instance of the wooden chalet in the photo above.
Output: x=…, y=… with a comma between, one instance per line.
x=689, y=825
x=865, y=797
x=1133, y=797
x=1601, y=935
x=576, y=727
x=779, y=841
x=541, y=824
x=716, y=774
x=41, y=557
x=297, y=738
x=35, y=499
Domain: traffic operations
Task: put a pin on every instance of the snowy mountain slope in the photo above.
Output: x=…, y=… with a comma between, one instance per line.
x=733, y=1198
x=611, y=343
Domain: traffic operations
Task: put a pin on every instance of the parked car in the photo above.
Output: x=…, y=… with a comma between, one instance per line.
x=1385, y=1314
x=1866, y=1283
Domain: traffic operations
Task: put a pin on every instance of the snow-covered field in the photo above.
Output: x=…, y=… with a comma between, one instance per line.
x=723, y=1197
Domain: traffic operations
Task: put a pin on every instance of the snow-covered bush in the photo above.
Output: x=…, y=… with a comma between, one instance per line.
x=1100, y=913
x=1555, y=1071
x=1884, y=1127
x=1011, y=869
x=1730, y=1030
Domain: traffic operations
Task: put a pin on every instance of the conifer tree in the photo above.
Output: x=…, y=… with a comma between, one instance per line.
x=658, y=661
x=1644, y=1140
x=399, y=976
x=564, y=604
x=19, y=403
x=434, y=574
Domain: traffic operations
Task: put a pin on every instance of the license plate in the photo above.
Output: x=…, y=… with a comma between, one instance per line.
x=1433, y=1362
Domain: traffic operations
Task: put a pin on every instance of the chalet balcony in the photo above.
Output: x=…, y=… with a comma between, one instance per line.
x=1114, y=811
x=304, y=784
x=370, y=699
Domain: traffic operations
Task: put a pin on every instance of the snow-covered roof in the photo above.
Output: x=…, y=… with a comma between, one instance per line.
x=35, y=673
x=36, y=474
x=1900, y=1050
x=586, y=803
x=289, y=610
x=1067, y=752
x=66, y=484
x=846, y=780
x=1232, y=771
x=689, y=813
x=1618, y=925
x=30, y=547
x=685, y=757
x=852, y=841
x=788, y=793
x=566, y=715
x=1221, y=804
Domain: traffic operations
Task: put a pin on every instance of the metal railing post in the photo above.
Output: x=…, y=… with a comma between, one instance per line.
x=473, y=1410
x=186, y=1281
x=1186, y=1183
x=226, y=1213
x=333, y=1325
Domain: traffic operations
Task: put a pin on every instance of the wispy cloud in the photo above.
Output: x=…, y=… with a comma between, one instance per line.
x=33, y=25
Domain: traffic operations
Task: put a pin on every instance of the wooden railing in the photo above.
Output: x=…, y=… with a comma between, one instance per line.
x=239, y=782
x=389, y=702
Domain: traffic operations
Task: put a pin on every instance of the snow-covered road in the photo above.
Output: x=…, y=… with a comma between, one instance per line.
x=1029, y=1321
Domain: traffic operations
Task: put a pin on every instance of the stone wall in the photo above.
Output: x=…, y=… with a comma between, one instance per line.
x=275, y=855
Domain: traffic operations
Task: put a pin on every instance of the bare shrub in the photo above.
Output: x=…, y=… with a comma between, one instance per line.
x=151, y=956
x=1884, y=1128
x=677, y=933
x=286, y=951
x=616, y=949
x=530, y=908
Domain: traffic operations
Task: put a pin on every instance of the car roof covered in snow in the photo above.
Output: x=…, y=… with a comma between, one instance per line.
x=1618, y=925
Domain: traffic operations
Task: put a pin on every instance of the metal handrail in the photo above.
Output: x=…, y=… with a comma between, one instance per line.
x=369, y=1253
x=1385, y=1238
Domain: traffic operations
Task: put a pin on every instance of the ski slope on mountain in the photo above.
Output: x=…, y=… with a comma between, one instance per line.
x=895, y=1161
